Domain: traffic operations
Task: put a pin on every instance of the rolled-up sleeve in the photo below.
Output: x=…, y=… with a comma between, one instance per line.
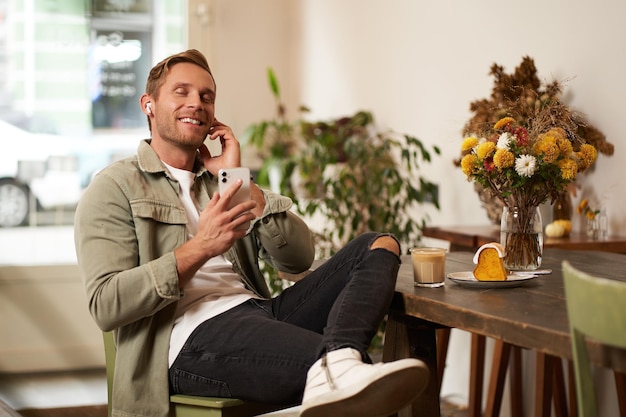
x=285, y=239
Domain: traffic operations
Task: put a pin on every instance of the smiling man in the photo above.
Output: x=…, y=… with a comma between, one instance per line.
x=168, y=269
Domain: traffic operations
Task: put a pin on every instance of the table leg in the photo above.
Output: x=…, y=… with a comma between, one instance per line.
x=477, y=373
x=571, y=389
x=443, y=340
x=558, y=387
x=620, y=386
x=505, y=356
x=501, y=355
x=407, y=337
x=543, y=387
x=517, y=403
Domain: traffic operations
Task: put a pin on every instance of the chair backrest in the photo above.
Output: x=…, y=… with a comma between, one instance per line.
x=596, y=309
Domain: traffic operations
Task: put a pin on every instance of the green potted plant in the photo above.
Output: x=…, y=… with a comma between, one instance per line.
x=361, y=179
x=355, y=176
x=276, y=141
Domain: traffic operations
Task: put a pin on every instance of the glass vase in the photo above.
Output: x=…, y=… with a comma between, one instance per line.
x=593, y=228
x=521, y=236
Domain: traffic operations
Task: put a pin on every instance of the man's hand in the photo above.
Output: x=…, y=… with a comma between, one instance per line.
x=217, y=227
x=231, y=149
x=230, y=158
x=217, y=232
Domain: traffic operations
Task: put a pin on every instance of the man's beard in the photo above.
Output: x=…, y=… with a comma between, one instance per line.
x=170, y=133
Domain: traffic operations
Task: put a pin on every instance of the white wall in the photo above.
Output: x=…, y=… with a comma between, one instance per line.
x=418, y=64
x=246, y=38
x=44, y=321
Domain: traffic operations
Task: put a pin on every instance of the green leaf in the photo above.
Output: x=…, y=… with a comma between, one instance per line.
x=273, y=81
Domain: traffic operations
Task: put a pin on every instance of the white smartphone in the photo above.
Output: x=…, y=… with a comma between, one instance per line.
x=226, y=177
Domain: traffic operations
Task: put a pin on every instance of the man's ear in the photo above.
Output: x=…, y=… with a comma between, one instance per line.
x=145, y=101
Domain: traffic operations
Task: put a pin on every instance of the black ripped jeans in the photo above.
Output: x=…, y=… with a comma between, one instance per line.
x=261, y=350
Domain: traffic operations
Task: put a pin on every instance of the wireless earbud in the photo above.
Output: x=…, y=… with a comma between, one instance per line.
x=149, y=107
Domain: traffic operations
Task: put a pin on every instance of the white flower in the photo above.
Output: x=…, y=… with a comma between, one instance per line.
x=525, y=165
x=504, y=141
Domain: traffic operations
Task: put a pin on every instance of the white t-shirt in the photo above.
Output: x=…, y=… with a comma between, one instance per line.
x=214, y=289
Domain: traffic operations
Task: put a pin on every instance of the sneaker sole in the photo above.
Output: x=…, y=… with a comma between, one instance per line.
x=385, y=396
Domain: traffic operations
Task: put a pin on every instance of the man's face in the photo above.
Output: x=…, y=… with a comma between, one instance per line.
x=185, y=108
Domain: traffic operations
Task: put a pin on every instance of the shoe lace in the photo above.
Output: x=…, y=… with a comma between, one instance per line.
x=329, y=377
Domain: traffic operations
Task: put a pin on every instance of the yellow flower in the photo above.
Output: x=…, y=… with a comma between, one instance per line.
x=565, y=146
x=503, y=122
x=469, y=143
x=569, y=169
x=485, y=150
x=586, y=156
x=549, y=135
x=559, y=133
x=547, y=147
x=503, y=159
x=585, y=208
x=468, y=163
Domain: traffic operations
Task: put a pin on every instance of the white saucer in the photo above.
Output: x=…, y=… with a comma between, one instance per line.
x=514, y=279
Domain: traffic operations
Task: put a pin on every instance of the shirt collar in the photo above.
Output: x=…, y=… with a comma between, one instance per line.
x=150, y=162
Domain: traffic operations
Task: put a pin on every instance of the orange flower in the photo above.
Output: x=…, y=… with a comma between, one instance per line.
x=503, y=122
x=585, y=208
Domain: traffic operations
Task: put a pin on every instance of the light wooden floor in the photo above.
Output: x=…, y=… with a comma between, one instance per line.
x=85, y=388
x=65, y=389
x=53, y=390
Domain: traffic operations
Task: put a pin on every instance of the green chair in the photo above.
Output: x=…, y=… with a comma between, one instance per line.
x=188, y=405
x=596, y=309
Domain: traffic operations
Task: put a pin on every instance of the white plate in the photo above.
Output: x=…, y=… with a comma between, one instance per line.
x=515, y=279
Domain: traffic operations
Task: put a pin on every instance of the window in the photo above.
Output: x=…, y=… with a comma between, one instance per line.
x=71, y=74
x=118, y=67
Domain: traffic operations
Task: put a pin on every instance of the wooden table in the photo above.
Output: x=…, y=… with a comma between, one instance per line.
x=470, y=238
x=532, y=316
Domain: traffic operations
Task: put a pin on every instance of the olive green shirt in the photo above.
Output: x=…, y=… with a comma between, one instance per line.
x=128, y=223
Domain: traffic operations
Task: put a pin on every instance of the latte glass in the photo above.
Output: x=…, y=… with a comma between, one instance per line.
x=429, y=266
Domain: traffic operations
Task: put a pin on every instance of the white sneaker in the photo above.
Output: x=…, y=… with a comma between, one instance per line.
x=341, y=385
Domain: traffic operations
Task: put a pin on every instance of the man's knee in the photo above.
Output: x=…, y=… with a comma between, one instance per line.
x=386, y=242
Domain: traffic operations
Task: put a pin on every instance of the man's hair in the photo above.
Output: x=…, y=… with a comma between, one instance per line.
x=157, y=75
